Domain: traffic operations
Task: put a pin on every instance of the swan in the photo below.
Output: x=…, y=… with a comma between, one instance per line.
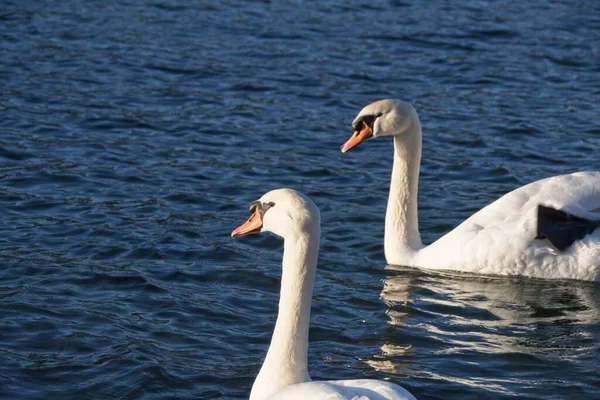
x=546, y=229
x=284, y=374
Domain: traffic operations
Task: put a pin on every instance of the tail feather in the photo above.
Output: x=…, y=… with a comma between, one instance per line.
x=562, y=229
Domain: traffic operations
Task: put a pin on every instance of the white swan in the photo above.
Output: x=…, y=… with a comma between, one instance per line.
x=284, y=373
x=546, y=229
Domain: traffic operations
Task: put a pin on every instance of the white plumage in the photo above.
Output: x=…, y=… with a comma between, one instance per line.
x=360, y=389
x=500, y=238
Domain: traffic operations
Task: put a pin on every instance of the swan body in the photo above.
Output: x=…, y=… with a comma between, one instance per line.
x=502, y=238
x=284, y=373
x=360, y=389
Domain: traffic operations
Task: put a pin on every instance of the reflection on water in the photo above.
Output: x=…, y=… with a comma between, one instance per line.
x=512, y=324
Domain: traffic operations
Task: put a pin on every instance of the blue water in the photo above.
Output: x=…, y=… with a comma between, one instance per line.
x=134, y=134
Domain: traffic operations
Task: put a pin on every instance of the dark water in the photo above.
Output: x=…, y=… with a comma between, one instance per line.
x=133, y=135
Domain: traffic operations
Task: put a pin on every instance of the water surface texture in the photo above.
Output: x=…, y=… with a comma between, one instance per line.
x=134, y=134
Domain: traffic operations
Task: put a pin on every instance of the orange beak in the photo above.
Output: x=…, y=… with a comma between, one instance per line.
x=254, y=224
x=357, y=137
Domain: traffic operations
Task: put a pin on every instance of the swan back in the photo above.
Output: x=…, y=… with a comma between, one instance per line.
x=356, y=389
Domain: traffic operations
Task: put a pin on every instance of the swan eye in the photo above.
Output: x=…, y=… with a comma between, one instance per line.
x=271, y=204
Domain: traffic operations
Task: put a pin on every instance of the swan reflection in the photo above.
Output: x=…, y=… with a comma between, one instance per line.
x=488, y=332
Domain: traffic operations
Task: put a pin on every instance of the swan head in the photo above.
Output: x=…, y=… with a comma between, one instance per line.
x=284, y=212
x=382, y=118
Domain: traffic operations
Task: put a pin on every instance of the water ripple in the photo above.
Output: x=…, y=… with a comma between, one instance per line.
x=134, y=135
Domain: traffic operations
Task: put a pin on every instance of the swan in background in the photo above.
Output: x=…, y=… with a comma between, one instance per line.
x=284, y=373
x=546, y=229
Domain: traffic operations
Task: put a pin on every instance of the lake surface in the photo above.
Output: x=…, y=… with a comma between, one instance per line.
x=134, y=134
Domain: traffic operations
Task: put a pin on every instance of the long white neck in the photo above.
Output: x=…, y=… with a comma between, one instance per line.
x=402, y=238
x=286, y=360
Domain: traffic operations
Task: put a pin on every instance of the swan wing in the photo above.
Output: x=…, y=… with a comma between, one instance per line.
x=501, y=237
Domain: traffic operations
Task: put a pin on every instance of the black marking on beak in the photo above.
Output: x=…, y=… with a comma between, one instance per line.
x=262, y=207
x=368, y=120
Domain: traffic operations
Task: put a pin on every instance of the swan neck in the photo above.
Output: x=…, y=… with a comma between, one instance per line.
x=402, y=238
x=286, y=361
